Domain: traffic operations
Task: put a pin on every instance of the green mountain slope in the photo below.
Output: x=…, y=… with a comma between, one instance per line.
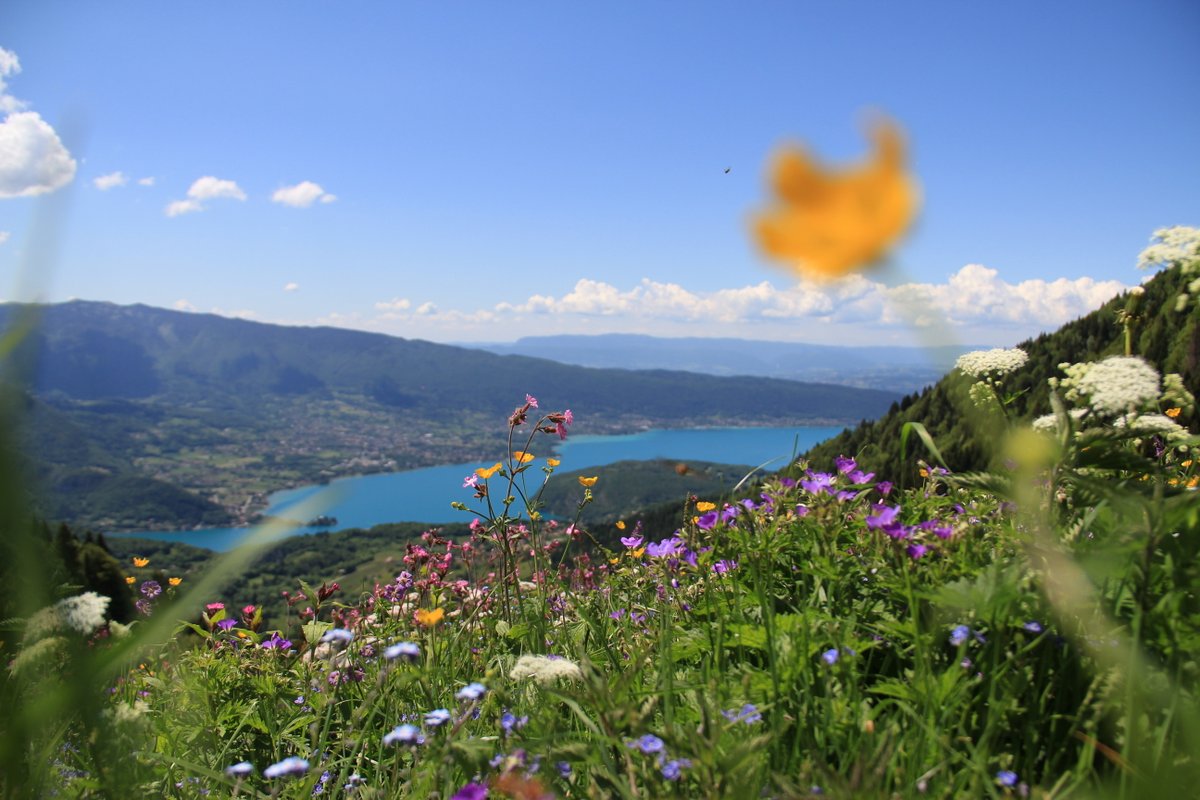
x=1168, y=339
x=224, y=410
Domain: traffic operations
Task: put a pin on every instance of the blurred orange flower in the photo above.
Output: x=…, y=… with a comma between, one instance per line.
x=521, y=457
x=430, y=618
x=174, y=581
x=130, y=579
x=1174, y=412
x=829, y=222
x=704, y=505
x=554, y=462
x=588, y=481
x=140, y=562
x=489, y=472
x=620, y=524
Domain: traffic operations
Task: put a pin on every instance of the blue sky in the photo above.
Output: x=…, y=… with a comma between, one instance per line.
x=483, y=171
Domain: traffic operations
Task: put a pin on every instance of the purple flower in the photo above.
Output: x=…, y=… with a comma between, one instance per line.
x=1033, y=626
x=882, y=516
x=817, y=482
x=729, y=513
x=1006, y=777
x=830, y=656
x=858, y=477
x=664, y=548
x=292, y=765
x=884, y=488
x=564, y=769
x=959, y=635
x=226, y=624
x=276, y=642
x=618, y=614
x=405, y=734
x=845, y=465
x=470, y=692
x=748, y=714
x=708, y=521
x=631, y=541
x=647, y=744
x=472, y=791
x=915, y=551
x=143, y=606
x=437, y=717
x=801, y=510
x=404, y=650
x=151, y=589
x=670, y=770
x=509, y=722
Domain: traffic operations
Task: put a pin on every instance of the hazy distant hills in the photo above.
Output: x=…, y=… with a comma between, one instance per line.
x=897, y=369
x=160, y=416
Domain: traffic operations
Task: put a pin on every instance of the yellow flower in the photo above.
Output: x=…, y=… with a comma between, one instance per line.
x=637, y=553
x=588, y=481
x=704, y=505
x=430, y=618
x=554, y=462
x=614, y=560
x=1192, y=483
x=924, y=473
x=1187, y=463
x=826, y=222
x=489, y=472
x=1174, y=412
x=174, y=581
x=138, y=561
x=620, y=524
x=521, y=457
x=130, y=579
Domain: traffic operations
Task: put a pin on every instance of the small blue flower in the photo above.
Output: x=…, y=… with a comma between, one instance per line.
x=340, y=635
x=564, y=769
x=292, y=765
x=647, y=744
x=240, y=769
x=404, y=650
x=749, y=714
x=1033, y=626
x=404, y=734
x=472, y=691
x=1006, y=777
x=670, y=770
x=959, y=635
x=439, y=716
x=830, y=656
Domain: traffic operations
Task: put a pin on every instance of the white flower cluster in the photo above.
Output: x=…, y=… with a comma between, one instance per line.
x=1119, y=384
x=83, y=614
x=1152, y=424
x=1175, y=247
x=998, y=361
x=1049, y=422
x=545, y=669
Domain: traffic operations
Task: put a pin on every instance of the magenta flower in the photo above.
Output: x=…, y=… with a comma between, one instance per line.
x=531, y=401
x=470, y=481
x=472, y=791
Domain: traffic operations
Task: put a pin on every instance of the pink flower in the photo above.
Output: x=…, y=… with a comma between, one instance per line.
x=248, y=610
x=531, y=401
x=215, y=606
x=470, y=481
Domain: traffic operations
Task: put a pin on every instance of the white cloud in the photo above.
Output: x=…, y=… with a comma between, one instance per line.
x=395, y=304
x=33, y=159
x=302, y=195
x=4, y=236
x=177, y=207
x=206, y=188
x=112, y=179
x=210, y=188
x=146, y=181
x=973, y=305
x=239, y=314
x=183, y=305
x=291, y=286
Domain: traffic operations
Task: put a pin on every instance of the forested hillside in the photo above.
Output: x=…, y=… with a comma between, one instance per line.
x=1168, y=339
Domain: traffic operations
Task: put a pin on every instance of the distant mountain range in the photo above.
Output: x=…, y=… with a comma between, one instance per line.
x=895, y=369
x=138, y=416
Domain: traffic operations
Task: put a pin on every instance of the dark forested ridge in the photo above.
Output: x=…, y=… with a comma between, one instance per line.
x=138, y=416
x=1166, y=338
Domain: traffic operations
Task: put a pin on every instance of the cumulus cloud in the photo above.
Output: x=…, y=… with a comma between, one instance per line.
x=975, y=303
x=33, y=159
x=183, y=305
x=111, y=180
x=146, y=181
x=203, y=189
x=291, y=286
x=302, y=195
x=4, y=236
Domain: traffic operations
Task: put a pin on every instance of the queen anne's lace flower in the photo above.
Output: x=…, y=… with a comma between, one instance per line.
x=1118, y=384
x=1050, y=421
x=545, y=669
x=83, y=614
x=1159, y=424
x=1170, y=246
x=998, y=361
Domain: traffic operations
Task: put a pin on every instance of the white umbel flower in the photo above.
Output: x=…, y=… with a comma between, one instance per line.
x=545, y=669
x=1119, y=384
x=83, y=614
x=998, y=361
x=1154, y=424
x=1179, y=245
x=1049, y=422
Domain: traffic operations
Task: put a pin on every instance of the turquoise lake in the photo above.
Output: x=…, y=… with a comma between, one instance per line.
x=424, y=495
